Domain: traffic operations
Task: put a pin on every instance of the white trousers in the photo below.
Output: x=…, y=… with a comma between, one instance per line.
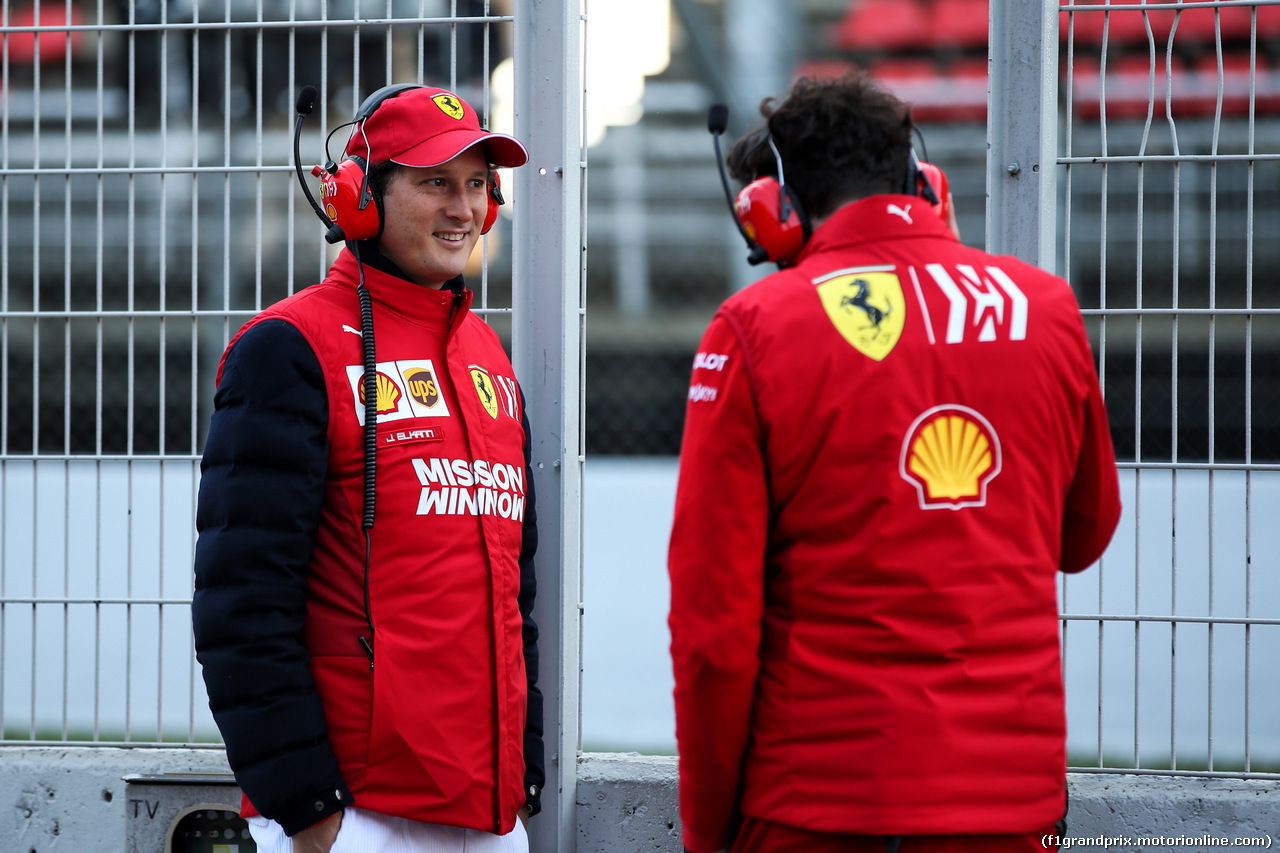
x=364, y=831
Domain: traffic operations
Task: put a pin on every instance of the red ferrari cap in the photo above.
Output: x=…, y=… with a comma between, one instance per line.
x=426, y=127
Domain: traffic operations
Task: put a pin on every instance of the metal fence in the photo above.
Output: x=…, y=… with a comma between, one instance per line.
x=1157, y=128
x=147, y=208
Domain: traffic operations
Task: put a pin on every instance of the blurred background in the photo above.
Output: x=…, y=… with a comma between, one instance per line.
x=149, y=87
x=148, y=207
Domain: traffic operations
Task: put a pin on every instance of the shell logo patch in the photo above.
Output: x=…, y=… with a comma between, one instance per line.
x=485, y=391
x=950, y=454
x=866, y=306
x=449, y=105
x=388, y=398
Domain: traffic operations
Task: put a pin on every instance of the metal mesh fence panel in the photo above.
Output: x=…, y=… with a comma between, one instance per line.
x=1169, y=137
x=148, y=207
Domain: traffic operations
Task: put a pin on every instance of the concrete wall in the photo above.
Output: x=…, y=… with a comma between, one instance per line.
x=76, y=799
x=628, y=803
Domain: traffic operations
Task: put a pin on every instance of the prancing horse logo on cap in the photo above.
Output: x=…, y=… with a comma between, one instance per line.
x=449, y=105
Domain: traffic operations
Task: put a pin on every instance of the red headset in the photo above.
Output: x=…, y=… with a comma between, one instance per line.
x=771, y=216
x=775, y=224
x=349, y=203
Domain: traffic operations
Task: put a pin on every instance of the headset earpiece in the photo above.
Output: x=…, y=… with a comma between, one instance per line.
x=772, y=219
x=495, y=201
x=347, y=199
x=349, y=204
x=929, y=177
x=771, y=216
x=918, y=184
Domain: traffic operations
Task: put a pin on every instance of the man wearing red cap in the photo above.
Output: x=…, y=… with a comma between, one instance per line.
x=373, y=673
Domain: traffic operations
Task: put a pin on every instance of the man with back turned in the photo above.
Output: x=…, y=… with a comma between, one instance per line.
x=892, y=446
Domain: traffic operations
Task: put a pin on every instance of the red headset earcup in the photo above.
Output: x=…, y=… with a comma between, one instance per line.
x=759, y=209
x=341, y=198
x=938, y=180
x=495, y=200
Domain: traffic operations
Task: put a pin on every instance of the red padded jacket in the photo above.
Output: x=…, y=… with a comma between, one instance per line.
x=435, y=729
x=890, y=450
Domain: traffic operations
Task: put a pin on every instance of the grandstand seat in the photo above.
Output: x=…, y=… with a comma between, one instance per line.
x=53, y=45
x=1195, y=88
x=1130, y=88
x=1082, y=27
x=953, y=94
x=1122, y=26
x=1235, y=23
x=1197, y=26
x=959, y=23
x=1197, y=94
x=882, y=25
x=1268, y=21
x=1267, y=95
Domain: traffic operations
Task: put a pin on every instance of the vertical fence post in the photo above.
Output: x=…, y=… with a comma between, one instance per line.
x=547, y=276
x=1022, y=131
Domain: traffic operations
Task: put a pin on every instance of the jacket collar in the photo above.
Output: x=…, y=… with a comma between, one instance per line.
x=395, y=292
x=874, y=219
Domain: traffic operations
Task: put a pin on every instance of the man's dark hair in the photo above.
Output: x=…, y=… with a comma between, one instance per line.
x=840, y=139
x=379, y=176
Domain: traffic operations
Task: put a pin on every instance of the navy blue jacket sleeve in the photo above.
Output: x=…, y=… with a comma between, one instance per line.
x=535, y=775
x=261, y=493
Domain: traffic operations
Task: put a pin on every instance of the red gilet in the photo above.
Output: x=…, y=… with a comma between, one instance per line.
x=890, y=451
x=434, y=732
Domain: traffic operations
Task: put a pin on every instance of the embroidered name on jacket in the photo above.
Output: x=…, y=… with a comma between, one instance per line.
x=462, y=487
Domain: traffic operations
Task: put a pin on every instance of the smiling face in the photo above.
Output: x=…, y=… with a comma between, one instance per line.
x=432, y=217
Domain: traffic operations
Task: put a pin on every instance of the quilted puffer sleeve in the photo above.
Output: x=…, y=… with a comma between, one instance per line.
x=261, y=493
x=535, y=775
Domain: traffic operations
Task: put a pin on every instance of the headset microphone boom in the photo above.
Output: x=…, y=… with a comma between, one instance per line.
x=717, y=121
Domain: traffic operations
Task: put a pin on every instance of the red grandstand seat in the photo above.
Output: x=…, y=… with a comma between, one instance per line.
x=1130, y=26
x=959, y=23
x=1268, y=21
x=882, y=25
x=1267, y=83
x=1083, y=27
x=1196, y=26
x=1197, y=93
x=1237, y=21
x=1195, y=90
x=937, y=94
x=1130, y=88
x=1122, y=26
x=53, y=45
